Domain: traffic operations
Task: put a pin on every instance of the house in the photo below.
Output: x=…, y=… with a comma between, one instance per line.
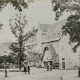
x=59, y=50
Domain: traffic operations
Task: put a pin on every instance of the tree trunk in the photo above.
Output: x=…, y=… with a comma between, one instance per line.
x=79, y=71
x=20, y=44
x=20, y=64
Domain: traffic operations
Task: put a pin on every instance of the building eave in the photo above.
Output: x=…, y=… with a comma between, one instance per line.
x=56, y=40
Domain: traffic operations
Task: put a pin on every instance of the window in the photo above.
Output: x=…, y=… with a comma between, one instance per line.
x=63, y=58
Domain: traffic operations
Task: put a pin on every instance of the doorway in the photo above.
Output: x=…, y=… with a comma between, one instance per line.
x=63, y=63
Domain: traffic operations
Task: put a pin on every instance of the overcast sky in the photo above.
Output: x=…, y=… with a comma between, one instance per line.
x=38, y=12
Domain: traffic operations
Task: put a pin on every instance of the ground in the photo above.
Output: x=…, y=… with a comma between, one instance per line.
x=42, y=74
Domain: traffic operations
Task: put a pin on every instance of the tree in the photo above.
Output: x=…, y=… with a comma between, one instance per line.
x=18, y=25
x=1, y=26
x=59, y=6
x=12, y=58
x=34, y=57
x=18, y=4
x=73, y=21
x=72, y=26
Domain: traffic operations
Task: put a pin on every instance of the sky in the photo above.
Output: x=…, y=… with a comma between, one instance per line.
x=38, y=12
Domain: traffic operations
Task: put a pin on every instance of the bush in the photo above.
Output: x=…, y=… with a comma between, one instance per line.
x=1, y=66
x=79, y=72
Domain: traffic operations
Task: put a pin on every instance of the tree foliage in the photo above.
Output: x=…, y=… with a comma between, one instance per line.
x=1, y=26
x=72, y=26
x=18, y=26
x=59, y=6
x=18, y=4
x=33, y=57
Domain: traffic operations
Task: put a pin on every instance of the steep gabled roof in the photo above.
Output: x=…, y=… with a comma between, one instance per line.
x=55, y=31
x=44, y=27
x=49, y=32
x=57, y=27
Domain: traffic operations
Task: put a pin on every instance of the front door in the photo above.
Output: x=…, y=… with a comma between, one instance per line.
x=63, y=65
